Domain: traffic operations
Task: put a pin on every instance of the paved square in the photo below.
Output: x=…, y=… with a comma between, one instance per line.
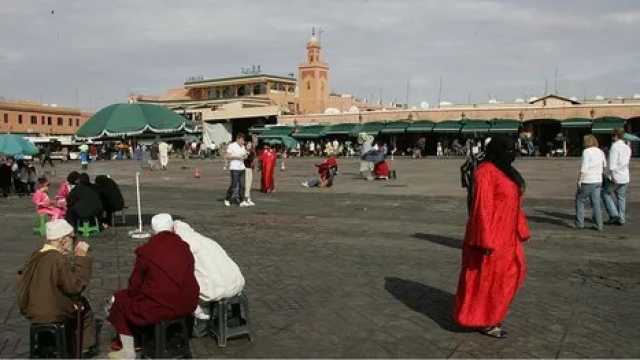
x=369, y=269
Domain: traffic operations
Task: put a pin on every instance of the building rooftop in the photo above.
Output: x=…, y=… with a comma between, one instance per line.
x=191, y=83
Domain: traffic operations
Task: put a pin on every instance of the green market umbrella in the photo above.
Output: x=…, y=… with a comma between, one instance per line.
x=129, y=120
x=14, y=145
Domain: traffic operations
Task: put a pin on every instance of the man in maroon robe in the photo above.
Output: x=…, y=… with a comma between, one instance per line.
x=268, y=163
x=493, y=260
x=162, y=285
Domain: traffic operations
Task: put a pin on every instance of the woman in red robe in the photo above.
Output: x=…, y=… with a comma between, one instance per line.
x=493, y=260
x=162, y=285
x=381, y=170
x=268, y=163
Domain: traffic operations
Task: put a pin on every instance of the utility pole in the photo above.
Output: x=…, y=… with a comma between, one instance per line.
x=408, y=89
x=440, y=92
x=545, y=87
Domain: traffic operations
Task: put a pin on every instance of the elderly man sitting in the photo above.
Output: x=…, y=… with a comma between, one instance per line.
x=49, y=287
x=162, y=286
x=218, y=276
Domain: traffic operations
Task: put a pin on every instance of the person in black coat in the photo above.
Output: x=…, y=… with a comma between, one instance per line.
x=111, y=197
x=83, y=202
x=5, y=177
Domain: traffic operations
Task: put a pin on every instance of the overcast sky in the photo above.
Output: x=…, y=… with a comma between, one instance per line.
x=92, y=53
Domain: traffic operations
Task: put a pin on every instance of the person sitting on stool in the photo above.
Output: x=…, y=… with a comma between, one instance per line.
x=50, y=288
x=83, y=202
x=162, y=286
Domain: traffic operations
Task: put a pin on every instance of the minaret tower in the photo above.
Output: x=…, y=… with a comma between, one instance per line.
x=313, y=79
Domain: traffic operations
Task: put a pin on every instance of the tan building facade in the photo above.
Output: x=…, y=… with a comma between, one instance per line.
x=33, y=119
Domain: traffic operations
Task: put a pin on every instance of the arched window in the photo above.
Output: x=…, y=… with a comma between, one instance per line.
x=226, y=92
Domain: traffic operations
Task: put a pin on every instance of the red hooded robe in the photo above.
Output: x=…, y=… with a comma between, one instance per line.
x=162, y=285
x=488, y=283
x=268, y=160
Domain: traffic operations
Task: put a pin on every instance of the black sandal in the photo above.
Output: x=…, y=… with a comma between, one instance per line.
x=494, y=331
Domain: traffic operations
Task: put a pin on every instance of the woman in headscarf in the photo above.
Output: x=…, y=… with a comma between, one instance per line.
x=66, y=187
x=493, y=260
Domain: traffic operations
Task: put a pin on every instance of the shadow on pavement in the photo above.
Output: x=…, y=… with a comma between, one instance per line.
x=432, y=302
x=547, y=220
x=557, y=215
x=440, y=240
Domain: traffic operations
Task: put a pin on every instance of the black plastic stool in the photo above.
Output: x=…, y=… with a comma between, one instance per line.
x=230, y=318
x=48, y=341
x=168, y=339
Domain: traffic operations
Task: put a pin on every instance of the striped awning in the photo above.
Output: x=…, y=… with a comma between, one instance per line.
x=448, y=127
x=475, y=127
x=606, y=125
x=504, y=126
x=576, y=123
x=422, y=126
x=340, y=129
x=309, y=132
x=396, y=127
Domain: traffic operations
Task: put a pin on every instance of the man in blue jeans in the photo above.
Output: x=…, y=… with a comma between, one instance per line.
x=617, y=180
x=235, y=154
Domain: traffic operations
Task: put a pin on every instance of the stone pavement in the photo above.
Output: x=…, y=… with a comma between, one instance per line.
x=370, y=269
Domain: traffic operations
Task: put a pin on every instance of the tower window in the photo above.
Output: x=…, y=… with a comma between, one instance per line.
x=308, y=85
x=20, y=119
x=6, y=118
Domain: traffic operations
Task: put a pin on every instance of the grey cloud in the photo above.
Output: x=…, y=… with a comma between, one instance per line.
x=506, y=49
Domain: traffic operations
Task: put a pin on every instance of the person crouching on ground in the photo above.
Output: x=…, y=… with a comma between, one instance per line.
x=327, y=171
x=493, y=260
x=162, y=286
x=218, y=276
x=50, y=288
x=43, y=204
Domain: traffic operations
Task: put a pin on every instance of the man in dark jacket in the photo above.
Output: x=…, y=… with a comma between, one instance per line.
x=83, y=202
x=49, y=288
x=110, y=196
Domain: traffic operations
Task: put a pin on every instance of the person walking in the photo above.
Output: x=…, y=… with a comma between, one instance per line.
x=268, y=160
x=590, y=182
x=617, y=179
x=84, y=155
x=249, y=164
x=493, y=259
x=163, y=149
x=235, y=154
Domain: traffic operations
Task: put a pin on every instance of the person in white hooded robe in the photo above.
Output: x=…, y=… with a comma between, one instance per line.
x=217, y=274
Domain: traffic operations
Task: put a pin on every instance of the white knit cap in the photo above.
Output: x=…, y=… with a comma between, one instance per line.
x=57, y=229
x=161, y=222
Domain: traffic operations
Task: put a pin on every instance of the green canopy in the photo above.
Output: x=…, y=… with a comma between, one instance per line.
x=576, y=123
x=448, y=127
x=287, y=141
x=371, y=128
x=504, y=126
x=340, y=129
x=256, y=129
x=606, y=125
x=396, y=127
x=631, y=137
x=475, y=127
x=422, y=126
x=276, y=132
x=14, y=145
x=309, y=132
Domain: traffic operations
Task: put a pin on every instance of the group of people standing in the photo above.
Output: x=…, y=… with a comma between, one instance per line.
x=17, y=176
x=243, y=159
x=601, y=181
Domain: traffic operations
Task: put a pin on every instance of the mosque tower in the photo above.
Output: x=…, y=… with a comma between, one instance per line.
x=313, y=80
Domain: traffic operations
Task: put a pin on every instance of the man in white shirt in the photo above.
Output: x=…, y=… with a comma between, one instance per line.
x=590, y=182
x=163, y=149
x=235, y=154
x=617, y=179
